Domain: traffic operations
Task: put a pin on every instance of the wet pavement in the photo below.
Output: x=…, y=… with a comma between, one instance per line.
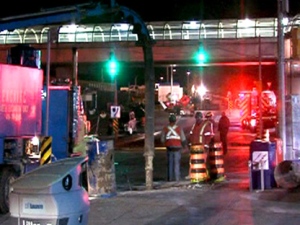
x=229, y=202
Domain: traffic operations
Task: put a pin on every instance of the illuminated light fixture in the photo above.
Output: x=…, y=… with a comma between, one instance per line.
x=72, y=27
x=123, y=26
x=35, y=140
x=69, y=31
x=285, y=21
x=253, y=122
x=193, y=89
x=201, y=90
x=193, y=25
x=246, y=23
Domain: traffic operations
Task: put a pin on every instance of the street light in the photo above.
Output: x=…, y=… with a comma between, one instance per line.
x=188, y=73
x=201, y=90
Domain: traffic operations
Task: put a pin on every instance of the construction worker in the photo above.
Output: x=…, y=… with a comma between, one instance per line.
x=209, y=129
x=173, y=138
x=104, y=124
x=214, y=162
x=202, y=138
x=195, y=137
x=203, y=131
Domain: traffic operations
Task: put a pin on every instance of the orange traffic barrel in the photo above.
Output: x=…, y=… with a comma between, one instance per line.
x=198, y=171
x=216, y=162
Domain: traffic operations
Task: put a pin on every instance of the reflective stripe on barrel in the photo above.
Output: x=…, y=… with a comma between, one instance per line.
x=198, y=171
x=216, y=162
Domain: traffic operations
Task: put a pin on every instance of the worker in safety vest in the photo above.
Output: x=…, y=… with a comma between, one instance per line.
x=173, y=138
x=209, y=129
x=203, y=130
x=195, y=137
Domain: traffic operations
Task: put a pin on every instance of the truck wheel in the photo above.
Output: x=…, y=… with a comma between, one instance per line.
x=7, y=176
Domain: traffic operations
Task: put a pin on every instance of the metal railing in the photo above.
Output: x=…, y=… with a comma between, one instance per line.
x=172, y=30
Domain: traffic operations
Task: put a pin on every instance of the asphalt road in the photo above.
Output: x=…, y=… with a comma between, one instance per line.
x=130, y=160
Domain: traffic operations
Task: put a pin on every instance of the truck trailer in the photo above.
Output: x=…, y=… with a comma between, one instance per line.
x=25, y=143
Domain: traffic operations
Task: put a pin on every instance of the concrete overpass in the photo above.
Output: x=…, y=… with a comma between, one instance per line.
x=246, y=42
x=221, y=51
x=226, y=41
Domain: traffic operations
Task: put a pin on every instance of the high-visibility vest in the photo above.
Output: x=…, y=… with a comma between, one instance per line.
x=198, y=133
x=173, y=136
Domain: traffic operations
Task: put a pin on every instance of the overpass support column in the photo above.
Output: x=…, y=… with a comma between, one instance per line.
x=149, y=108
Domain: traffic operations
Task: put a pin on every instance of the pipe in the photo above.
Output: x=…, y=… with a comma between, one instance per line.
x=287, y=174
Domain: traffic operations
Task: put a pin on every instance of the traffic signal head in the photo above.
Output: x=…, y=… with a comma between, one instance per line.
x=201, y=55
x=112, y=65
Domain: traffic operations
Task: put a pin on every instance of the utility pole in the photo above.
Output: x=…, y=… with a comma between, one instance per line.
x=49, y=40
x=149, y=108
x=113, y=69
x=188, y=73
x=260, y=133
x=281, y=7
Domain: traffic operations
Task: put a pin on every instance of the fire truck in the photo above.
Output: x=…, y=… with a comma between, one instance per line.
x=249, y=109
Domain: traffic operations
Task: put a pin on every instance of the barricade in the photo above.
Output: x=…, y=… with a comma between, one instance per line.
x=216, y=162
x=101, y=169
x=198, y=171
x=263, y=160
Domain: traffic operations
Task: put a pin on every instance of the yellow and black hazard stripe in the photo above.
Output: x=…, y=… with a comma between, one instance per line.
x=245, y=108
x=116, y=125
x=46, y=150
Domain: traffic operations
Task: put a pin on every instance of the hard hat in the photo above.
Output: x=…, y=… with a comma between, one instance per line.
x=208, y=115
x=172, y=118
x=198, y=115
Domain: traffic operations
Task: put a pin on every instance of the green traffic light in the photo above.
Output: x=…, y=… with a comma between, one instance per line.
x=201, y=56
x=112, y=66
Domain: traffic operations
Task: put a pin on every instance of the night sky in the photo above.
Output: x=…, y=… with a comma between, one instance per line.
x=169, y=10
x=178, y=10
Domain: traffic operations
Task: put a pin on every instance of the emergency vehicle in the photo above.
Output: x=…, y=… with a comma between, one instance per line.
x=249, y=109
